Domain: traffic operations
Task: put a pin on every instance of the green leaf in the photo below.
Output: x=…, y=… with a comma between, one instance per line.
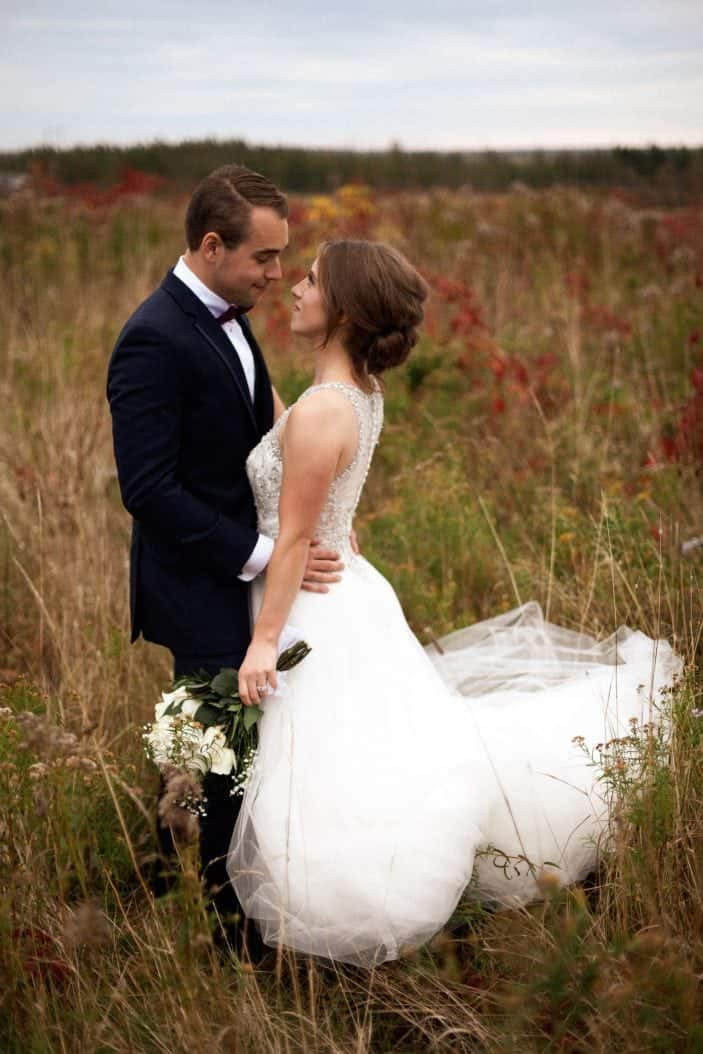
x=208, y=714
x=198, y=680
x=293, y=655
x=226, y=682
x=251, y=716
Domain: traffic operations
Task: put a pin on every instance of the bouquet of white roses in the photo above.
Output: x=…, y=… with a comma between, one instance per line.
x=202, y=726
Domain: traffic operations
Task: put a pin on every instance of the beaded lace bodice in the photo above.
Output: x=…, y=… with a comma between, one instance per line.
x=265, y=470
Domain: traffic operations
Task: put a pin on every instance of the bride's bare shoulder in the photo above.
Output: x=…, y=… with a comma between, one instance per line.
x=324, y=411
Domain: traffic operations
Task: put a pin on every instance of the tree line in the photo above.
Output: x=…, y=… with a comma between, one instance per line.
x=671, y=174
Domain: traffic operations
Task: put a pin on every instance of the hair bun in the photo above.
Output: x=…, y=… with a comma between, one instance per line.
x=374, y=298
x=390, y=349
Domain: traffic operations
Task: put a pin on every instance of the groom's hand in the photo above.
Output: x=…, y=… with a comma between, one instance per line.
x=323, y=569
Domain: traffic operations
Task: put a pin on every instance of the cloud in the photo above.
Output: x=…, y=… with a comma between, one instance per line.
x=454, y=73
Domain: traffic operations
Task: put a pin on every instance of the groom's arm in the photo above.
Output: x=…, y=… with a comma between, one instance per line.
x=146, y=400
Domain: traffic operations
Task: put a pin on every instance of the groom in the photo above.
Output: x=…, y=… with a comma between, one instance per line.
x=190, y=397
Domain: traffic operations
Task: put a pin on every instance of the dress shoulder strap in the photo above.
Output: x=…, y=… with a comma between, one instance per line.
x=350, y=390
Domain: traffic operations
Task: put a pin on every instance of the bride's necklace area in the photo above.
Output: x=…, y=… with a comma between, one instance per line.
x=333, y=367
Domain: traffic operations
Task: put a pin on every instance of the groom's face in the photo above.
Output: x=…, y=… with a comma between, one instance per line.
x=243, y=274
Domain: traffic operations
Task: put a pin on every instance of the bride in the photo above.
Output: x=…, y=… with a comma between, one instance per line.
x=391, y=779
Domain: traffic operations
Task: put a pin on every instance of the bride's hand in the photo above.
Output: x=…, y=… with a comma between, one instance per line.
x=257, y=674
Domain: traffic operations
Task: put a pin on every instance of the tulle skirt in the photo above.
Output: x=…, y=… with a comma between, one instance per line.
x=391, y=779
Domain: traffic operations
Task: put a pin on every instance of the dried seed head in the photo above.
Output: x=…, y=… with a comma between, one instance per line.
x=548, y=883
x=86, y=926
x=182, y=785
x=182, y=823
x=179, y=805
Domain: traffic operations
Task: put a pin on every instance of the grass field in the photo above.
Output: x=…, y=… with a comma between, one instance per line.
x=542, y=442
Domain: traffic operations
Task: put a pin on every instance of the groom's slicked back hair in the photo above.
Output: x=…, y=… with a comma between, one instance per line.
x=222, y=202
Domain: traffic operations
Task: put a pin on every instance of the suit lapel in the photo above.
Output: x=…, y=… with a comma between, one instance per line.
x=222, y=346
x=263, y=396
x=211, y=332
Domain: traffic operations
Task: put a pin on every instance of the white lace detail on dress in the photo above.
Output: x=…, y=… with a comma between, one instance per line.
x=265, y=470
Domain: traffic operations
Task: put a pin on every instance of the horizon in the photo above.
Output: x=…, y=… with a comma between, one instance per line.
x=249, y=144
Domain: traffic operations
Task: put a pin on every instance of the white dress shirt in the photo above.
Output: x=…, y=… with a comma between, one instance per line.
x=261, y=553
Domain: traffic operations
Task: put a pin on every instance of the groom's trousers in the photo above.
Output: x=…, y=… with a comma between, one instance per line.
x=216, y=828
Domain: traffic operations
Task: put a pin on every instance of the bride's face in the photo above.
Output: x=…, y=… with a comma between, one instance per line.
x=309, y=317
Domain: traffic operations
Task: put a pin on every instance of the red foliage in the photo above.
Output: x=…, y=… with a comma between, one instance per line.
x=278, y=322
x=596, y=316
x=40, y=956
x=578, y=284
x=683, y=441
x=498, y=365
x=519, y=372
x=689, y=435
x=679, y=226
x=465, y=319
x=683, y=227
x=603, y=319
x=297, y=212
x=669, y=447
x=451, y=289
x=132, y=183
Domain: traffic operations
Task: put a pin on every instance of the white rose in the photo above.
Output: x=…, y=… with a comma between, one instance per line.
x=160, y=740
x=222, y=758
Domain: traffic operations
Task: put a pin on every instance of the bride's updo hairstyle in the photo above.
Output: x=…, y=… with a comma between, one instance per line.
x=374, y=297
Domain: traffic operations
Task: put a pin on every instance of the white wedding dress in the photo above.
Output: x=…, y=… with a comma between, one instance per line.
x=391, y=779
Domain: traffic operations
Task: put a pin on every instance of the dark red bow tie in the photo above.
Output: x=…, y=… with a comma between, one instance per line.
x=229, y=314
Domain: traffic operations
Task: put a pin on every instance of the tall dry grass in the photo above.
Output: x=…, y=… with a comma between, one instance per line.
x=533, y=447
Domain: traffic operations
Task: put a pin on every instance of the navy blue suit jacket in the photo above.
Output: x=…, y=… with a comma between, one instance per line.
x=183, y=426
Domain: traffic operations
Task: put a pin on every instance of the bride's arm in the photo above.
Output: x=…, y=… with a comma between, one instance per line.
x=319, y=436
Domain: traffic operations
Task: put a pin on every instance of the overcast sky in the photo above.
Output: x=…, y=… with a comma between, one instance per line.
x=442, y=73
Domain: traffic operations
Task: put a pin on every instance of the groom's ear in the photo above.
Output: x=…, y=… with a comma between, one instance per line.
x=210, y=245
